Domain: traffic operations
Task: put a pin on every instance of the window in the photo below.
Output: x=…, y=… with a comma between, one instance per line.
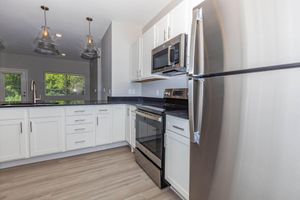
x=64, y=84
x=12, y=87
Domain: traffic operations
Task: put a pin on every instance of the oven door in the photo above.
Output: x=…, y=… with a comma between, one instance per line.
x=149, y=135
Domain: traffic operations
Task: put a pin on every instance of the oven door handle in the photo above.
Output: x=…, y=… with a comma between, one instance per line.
x=149, y=116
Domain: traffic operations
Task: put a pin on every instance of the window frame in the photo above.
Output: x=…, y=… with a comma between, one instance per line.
x=24, y=82
x=79, y=96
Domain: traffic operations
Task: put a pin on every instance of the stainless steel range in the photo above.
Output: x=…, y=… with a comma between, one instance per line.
x=150, y=130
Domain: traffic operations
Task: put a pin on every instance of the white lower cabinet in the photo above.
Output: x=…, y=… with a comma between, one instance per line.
x=46, y=131
x=118, y=123
x=130, y=126
x=104, y=125
x=177, y=156
x=12, y=140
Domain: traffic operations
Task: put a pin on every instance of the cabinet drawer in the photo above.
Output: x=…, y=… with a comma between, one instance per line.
x=12, y=113
x=46, y=112
x=79, y=110
x=81, y=119
x=78, y=141
x=178, y=125
x=103, y=110
x=81, y=128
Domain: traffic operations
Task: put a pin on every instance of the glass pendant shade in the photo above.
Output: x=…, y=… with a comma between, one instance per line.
x=44, y=43
x=90, y=51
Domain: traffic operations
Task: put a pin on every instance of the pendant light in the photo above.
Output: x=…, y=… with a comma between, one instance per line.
x=45, y=43
x=90, y=51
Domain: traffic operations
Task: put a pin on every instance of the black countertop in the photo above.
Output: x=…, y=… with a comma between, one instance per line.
x=156, y=102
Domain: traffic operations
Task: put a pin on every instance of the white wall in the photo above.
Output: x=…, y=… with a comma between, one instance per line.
x=36, y=66
x=123, y=36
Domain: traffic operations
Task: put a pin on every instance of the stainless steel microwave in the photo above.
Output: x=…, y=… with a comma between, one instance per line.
x=170, y=57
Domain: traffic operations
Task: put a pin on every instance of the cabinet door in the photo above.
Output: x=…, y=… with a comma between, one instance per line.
x=136, y=60
x=128, y=125
x=148, y=43
x=118, y=126
x=12, y=140
x=178, y=20
x=46, y=136
x=132, y=129
x=161, y=30
x=177, y=162
x=104, y=128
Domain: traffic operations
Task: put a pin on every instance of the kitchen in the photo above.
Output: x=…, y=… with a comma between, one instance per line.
x=135, y=99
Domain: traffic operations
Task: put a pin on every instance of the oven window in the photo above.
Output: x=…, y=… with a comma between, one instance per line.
x=160, y=59
x=149, y=133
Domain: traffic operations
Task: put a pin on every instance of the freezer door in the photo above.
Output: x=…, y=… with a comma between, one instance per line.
x=231, y=35
x=250, y=138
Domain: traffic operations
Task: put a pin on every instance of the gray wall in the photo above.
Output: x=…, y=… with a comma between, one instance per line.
x=94, y=79
x=106, y=63
x=36, y=66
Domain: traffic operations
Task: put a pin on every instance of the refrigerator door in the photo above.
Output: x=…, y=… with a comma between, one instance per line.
x=250, y=133
x=232, y=35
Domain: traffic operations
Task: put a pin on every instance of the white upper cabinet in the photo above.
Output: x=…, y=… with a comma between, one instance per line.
x=135, y=61
x=178, y=19
x=46, y=131
x=118, y=123
x=162, y=30
x=13, y=134
x=148, y=43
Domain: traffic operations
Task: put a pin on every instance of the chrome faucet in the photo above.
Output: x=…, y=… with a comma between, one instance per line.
x=33, y=89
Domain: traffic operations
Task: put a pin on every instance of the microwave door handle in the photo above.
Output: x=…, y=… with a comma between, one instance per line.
x=169, y=56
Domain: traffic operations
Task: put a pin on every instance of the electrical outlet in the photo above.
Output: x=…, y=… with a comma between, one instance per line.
x=157, y=92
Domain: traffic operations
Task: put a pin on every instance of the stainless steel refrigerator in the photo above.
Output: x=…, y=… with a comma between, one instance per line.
x=244, y=100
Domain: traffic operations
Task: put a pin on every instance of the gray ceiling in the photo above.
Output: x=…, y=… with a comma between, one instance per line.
x=20, y=20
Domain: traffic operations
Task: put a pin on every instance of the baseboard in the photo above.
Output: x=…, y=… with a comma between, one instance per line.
x=60, y=155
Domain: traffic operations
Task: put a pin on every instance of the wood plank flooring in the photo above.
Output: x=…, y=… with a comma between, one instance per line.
x=107, y=175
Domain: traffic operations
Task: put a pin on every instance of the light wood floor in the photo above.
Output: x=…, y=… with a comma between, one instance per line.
x=107, y=175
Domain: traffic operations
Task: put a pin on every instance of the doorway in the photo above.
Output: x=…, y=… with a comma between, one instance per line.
x=13, y=85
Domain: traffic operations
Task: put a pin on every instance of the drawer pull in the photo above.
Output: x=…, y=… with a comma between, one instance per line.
x=80, y=120
x=103, y=110
x=79, y=111
x=79, y=129
x=179, y=128
x=80, y=142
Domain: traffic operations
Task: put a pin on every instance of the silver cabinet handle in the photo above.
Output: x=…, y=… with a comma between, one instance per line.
x=79, y=129
x=79, y=111
x=169, y=32
x=80, y=120
x=165, y=35
x=179, y=128
x=79, y=142
x=103, y=110
x=97, y=121
x=30, y=126
x=21, y=127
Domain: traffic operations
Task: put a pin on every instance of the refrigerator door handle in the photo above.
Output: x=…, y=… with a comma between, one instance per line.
x=196, y=102
x=197, y=45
